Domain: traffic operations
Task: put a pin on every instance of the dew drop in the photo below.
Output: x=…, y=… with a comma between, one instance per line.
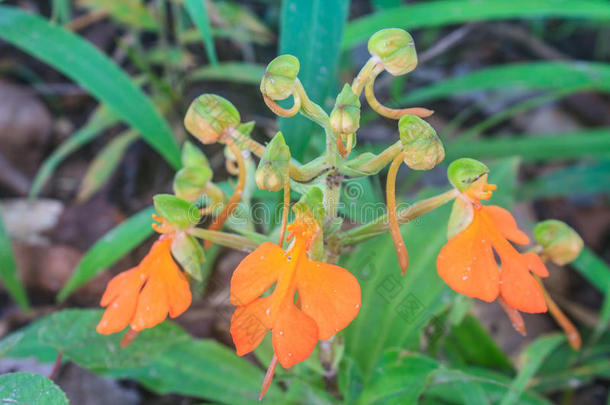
x=289, y=354
x=281, y=332
x=357, y=306
x=268, y=311
x=262, y=257
x=464, y=277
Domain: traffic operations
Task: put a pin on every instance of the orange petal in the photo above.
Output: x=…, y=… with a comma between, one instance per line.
x=120, y=298
x=294, y=336
x=466, y=263
x=329, y=294
x=518, y=287
x=152, y=305
x=249, y=324
x=256, y=273
x=535, y=264
x=505, y=223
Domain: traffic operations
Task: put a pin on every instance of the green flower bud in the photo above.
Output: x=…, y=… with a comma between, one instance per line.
x=274, y=165
x=560, y=242
x=280, y=76
x=177, y=212
x=193, y=156
x=465, y=171
x=187, y=251
x=422, y=147
x=345, y=117
x=461, y=216
x=311, y=203
x=396, y=50
x=209, y=116
x=190, y=182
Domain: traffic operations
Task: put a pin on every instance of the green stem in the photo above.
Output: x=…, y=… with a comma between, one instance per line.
x=374, y=165
x=380, y=225
x=225, y=239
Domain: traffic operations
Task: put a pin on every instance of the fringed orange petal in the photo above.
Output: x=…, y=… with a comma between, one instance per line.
x=466, y=263
x=256, y=273
x=535, y=264
x=503, y=220
x=120, y=298
x=295, y=335
x=249, y=324
x=519, y=288
x=329, y=294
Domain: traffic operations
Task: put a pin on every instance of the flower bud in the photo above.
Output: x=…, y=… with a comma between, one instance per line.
x=463, y=172
x=190, y=182
x=193, y=156
x=188, y=253
x=560, y=242
x=395, y=49
x=280, y=76
x=209, y=116
x=345, y=117
x=422, y=147
x=274, y=165
x=177, y=212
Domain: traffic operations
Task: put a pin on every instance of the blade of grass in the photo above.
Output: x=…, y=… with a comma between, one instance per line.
x=439, y=13
x=565, y=145
x=531, y=359
x=199, y=15
x=99, y=121
x=109, y=249
x=8, y=270
x=593, y=268
x=236, y=72
x=85, y=64
x=104, y=164
x=311, y=31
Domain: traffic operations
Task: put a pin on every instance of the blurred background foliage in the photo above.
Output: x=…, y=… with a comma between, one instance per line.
x=93, y=95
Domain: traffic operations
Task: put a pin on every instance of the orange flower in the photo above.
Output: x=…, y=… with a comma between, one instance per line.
x=143, y=296
x=467, y=263
x=328, y=297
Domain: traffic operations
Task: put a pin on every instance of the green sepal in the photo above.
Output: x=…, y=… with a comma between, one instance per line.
x=395, y=49
x=190, y=182
x=274, y=165
x=209, y=116
x=177, y=212
x=345, y=116
x=280, y=77
x=246, y=128
x=461, y=216
x=187, y=251
x=193, y=156
x=422, y=148
x=311, y=203
x=463, y=172
x=560, y=242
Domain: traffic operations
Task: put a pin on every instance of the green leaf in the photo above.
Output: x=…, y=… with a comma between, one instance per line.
x=30, y=388
x=517, y=77
x=583, y=178
x=537, y=147
x=398, y=378
x=8, y=270
x=199, y=15
x=311, y=31
x=104, y=164
x=130, y=12
x=178, y=212
x=531, y=360
x=100, y=120
x=109, y=249
x=235, y=72
x=593, y=268
x=448, y=12
x=458, y=345
x=85, y=64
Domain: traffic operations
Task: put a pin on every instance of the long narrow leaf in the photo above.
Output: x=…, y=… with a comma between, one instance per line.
x=236, y=72
x=593, y=268
x=8, y=270
x=199, y=15
x=440, y=13
x=311, y=31
x=109, y=249
x=85, y=64
x=100, y=120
